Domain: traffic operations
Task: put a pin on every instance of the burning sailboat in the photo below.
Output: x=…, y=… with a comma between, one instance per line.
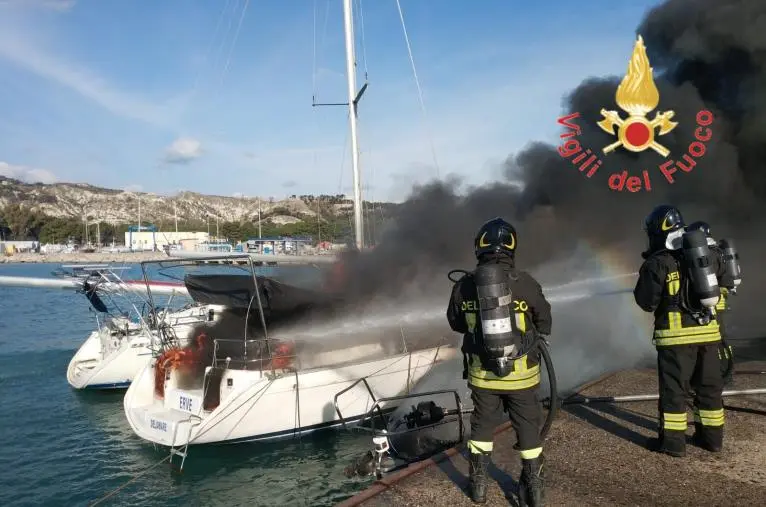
x=238, y=381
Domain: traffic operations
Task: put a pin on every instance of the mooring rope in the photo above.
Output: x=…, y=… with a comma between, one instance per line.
x=130, y=481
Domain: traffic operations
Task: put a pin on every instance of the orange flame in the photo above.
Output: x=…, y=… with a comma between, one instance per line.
x=184, y=358
x=177, y=358
x=282, y=357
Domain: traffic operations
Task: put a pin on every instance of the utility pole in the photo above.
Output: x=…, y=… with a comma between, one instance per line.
x=260, y=236
x=319, y=223
x=175, y=215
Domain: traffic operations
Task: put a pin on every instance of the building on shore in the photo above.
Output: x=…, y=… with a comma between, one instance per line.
x=12, y=247
x=278, y=244
x=148, y=238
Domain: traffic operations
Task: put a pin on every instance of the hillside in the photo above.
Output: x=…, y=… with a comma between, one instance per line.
x=58, y=212
x=76, y=200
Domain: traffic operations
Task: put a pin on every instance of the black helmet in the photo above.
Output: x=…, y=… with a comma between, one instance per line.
x=663, y=220
x=700, y=226
x=495, y=236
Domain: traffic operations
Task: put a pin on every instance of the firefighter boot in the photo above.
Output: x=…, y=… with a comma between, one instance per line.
x=477, y=480
x=672, y=444
x=531, y=484
x=710, y=439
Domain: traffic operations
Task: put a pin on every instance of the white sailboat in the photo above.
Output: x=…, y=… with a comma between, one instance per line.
x=263, y=389
x=124, y=340
x=120, y=348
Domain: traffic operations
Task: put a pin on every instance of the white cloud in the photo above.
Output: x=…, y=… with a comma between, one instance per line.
x=26, y=174
x=19, y=50
x=56, y=5
x=183, y=150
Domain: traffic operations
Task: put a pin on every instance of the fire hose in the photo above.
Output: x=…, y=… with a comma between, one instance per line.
x=428, y=413
x=585, y=400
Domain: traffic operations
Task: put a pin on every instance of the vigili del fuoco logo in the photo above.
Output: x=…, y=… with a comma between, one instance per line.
x=637, y=95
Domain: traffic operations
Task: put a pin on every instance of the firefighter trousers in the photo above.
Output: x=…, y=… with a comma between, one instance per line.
x=698, y=367
x=524, y=410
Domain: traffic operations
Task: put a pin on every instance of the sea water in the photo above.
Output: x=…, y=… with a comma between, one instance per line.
x=65, y=447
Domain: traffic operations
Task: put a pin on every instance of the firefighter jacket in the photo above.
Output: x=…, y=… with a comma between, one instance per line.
x=659, y=289
x=532, y=313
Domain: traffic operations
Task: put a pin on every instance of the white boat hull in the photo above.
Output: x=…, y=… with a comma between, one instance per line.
x=110, y=361
x=254, y=407
x=91, y=369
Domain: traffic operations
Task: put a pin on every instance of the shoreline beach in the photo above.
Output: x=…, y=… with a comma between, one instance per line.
x=83, y=258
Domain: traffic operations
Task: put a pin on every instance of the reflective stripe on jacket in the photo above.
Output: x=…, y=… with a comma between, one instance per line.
x=677, y=334
x=522, y=377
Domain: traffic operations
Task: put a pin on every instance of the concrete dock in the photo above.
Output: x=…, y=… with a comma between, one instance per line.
x=597, y=455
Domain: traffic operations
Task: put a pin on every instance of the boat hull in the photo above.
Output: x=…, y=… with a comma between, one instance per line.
x=91, y=369
x=110, y=361
x=254, y=407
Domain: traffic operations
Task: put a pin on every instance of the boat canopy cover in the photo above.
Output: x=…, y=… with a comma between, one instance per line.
x=94, y=299
x=238, y=291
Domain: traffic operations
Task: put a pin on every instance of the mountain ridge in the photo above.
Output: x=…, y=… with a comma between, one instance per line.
x=81, y=200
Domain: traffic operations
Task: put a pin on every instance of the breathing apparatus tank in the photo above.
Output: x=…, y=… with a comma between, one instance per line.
x=731, y=262
x=702, y=275
x=495, y=300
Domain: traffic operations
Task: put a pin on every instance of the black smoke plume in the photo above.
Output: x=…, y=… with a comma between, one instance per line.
x=706, y=55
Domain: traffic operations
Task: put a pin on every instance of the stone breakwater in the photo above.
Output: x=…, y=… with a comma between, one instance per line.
x=84, y=258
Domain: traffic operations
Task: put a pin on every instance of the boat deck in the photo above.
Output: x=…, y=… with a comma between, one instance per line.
x=597, y=455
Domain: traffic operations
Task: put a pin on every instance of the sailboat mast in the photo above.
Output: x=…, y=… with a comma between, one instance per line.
x=348, y=25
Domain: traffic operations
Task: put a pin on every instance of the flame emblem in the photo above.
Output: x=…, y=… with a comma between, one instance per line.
x=637, y=95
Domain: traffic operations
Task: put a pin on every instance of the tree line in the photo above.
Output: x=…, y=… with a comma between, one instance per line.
x=19, y=222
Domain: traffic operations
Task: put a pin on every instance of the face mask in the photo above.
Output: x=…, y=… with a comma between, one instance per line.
x=674, y=240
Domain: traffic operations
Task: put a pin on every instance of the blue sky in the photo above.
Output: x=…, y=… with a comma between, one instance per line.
x=160, y=96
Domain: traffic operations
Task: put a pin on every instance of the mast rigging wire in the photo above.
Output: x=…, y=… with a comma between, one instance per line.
x=364, y=46
x=210, y=46
x=321, y=46
x=234, y=41
x=420, y=90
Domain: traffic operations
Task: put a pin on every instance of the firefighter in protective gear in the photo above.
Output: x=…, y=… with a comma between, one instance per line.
x=687, y=347
x=725, y=351
x=516, y=392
